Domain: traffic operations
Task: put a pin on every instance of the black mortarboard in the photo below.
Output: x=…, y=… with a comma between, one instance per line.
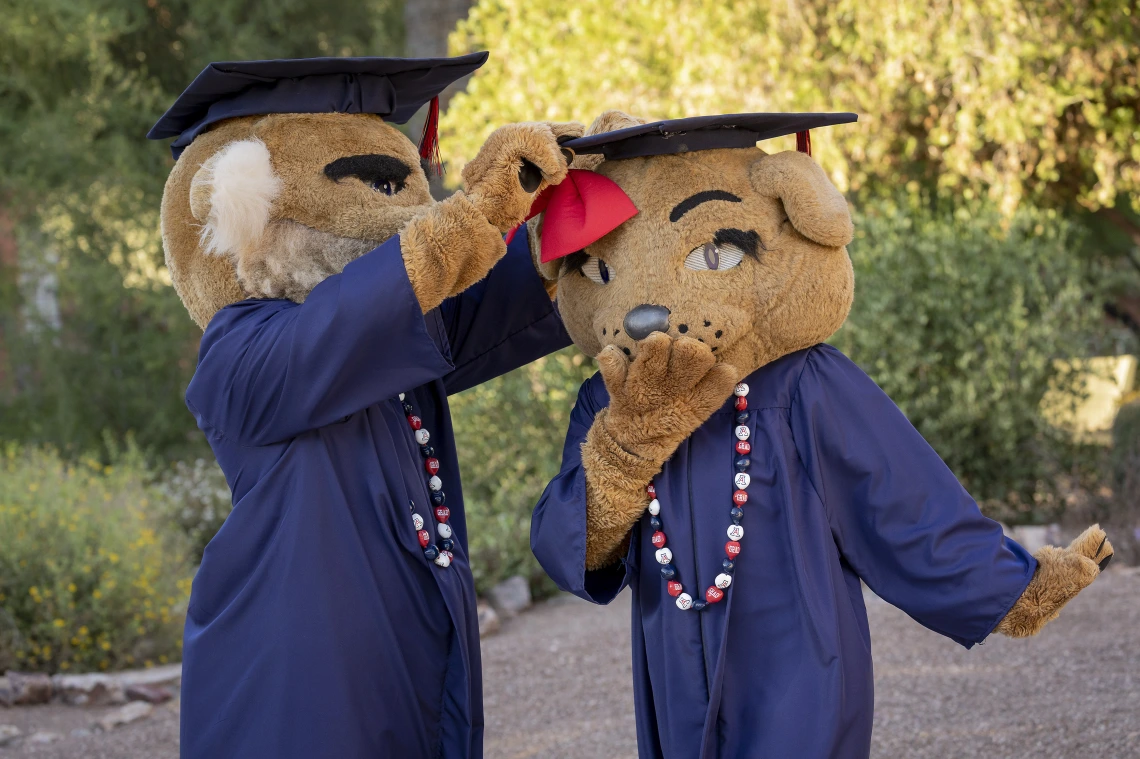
x=736, y=130
x=392, y=88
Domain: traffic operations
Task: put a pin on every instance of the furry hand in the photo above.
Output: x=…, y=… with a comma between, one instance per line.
x=516, y=163
x=663, y=395
x=1061, y=574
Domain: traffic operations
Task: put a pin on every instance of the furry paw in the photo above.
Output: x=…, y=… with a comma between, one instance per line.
x=668, y=390
x=1061, y=574
x=515, y=163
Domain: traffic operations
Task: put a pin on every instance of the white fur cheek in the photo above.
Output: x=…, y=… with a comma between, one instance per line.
x=242, y=188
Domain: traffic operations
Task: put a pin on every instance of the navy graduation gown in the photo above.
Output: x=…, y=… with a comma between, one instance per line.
x=316, y=627
x=843, y=488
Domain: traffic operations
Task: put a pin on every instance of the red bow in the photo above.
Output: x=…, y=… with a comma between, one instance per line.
x=582, y=209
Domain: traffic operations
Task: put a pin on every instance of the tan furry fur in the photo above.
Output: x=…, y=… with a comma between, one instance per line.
x=281, y=244
x=1061, y=574
x=722, y=324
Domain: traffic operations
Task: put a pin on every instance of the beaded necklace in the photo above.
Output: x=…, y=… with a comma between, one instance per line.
x=441, y=554
x=715, y=592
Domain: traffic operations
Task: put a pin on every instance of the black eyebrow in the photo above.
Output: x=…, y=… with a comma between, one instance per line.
x=371, y=169
x=749, y=241
x=691, y=202
x=575, y=261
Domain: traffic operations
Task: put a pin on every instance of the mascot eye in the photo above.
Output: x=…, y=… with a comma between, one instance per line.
x=596, y=269
x=714, y=256
x=387, y=187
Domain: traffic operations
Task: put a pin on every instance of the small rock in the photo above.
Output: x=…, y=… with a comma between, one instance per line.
x=125, y=715
x=95, y=689
x=9, y=734
x=488, y=620
x=152, y=694
x=29, y=688
x=81, y=732
x=511, y=596
x=43, y=737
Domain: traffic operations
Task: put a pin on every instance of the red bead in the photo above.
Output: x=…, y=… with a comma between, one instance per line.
x=740, y=497
x=713, y=594
x=732, y=548
x=658, y=539
x=743, y=447
x=424, y=537
x=442, y=513
x=432, y=466
x=651, y=491
x=741, y=403
x=415, y=421
x=450, y=555
x=674, y=588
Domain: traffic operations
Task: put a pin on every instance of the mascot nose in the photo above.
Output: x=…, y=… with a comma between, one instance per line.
x=644, y=319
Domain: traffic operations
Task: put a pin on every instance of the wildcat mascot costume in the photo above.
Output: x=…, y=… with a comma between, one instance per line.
x=334, y=613
x=741, y=476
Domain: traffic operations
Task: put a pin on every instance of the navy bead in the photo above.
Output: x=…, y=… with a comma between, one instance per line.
x=427, y=451
x=408, y=408
x=430, y=553
x=742, y=463
x=438, y=498
x=668, y=572
x=728, y=565
x=655, y=523
x=699, y=605
x=447, y=544
x=742, y=417
x=737, y=514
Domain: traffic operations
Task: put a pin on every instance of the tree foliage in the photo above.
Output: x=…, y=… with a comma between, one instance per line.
x=974, y=97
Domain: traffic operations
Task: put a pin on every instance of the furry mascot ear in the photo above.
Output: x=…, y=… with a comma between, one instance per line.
x=232, y=195
x=816, y=209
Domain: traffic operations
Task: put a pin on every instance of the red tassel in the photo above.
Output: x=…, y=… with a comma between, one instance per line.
x=803, y=142
x=429, y=140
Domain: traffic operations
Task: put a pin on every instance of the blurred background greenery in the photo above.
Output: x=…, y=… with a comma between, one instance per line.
x=994, y=173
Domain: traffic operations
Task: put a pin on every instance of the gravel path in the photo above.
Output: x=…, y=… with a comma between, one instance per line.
x=557, y=687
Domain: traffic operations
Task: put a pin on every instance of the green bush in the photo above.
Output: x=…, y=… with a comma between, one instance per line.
x=198, y=501
x=1126, y=451
x=961, y=317
x=509, y=433
x=89, y=577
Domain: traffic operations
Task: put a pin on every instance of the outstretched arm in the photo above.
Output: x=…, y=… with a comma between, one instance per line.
x=904, y=523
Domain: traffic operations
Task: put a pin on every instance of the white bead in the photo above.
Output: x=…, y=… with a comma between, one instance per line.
x=741, y=390
x=684, y=601
x=401, y=396
x=418, y=521
x=443, y=559
x=444, y=529
x=735, y=532
x=435, y=483
x=422, y=436
x=742, y=480
x=742, y=432
x=654, y=507
x=722, y=580
x=664, y=556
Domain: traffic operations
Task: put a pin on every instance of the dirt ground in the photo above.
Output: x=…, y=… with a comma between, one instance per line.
x=557, y=687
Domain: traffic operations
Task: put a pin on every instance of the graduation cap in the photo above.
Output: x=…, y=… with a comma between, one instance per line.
x=586, y=206
x=392, y=88
x=736, y=130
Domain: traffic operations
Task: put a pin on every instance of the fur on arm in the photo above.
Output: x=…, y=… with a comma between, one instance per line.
x=615, y=493
x=431, y=245
x=1061, y=574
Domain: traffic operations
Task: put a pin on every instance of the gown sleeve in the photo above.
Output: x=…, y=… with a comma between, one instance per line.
x=558, y=525
x=277, y=368
x=899, y=517
x=502, y=322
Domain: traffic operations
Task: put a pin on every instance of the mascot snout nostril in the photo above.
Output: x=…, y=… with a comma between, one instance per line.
x=645, y=319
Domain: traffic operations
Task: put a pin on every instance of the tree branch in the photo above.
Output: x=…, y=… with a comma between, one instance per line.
x=1129, y=227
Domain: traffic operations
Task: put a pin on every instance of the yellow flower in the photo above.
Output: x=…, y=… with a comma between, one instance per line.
x=83, y=630
x=96, y=594
x=71, y=587
x=106, y=646
x=59, y=623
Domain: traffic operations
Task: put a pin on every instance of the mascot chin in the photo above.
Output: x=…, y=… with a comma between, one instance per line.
x=740, y=475
x=334, y=613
